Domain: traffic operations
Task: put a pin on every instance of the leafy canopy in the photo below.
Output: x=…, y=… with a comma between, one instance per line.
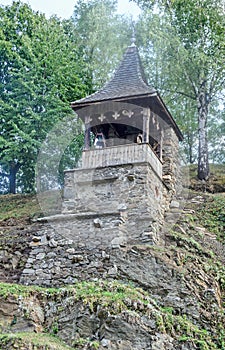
x=41, y=73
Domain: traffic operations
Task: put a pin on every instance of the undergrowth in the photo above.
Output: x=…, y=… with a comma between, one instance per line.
x=211, y=215
x=32, y=341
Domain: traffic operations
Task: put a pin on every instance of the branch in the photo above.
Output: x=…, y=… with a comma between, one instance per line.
x=203, y=84
x=181, y=93
x=213, y=80
x=192, y=83
x=211, y=86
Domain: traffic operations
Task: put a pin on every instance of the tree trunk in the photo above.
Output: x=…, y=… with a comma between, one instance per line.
x=14, y=168
x=190, y=142
x=191, y=158
x=203, y=156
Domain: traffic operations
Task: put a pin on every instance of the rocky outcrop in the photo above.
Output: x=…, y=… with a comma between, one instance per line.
x=99, y=315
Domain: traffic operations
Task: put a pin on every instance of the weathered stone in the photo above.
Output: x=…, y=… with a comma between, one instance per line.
x=70, y=250
x=200, y=229
x=174, y=204
x=51, y=255
x=105, y=343
x=162, y=342
x=98, y=223
x=105, y=255
x=28, y=271
x=30, y=260
x=113, y=271
x=40, y=256
x=76, y=258
x=52, y=243
x=122, y=207
x=118, y=242
x=15, y=261
x=36, y=239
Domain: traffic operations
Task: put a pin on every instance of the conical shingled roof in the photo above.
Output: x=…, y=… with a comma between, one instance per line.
x=128, y=81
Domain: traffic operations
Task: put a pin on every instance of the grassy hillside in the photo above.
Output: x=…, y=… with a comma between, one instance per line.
x=25, y=207
x=18, y=207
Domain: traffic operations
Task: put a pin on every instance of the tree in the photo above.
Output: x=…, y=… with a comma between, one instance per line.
x=41, y=73
x=198, y=58
x=102, y=36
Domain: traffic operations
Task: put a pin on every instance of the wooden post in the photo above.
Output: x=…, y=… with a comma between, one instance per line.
x=161, y=144
x=146, y=119
x=148, y=124
x=87, y=134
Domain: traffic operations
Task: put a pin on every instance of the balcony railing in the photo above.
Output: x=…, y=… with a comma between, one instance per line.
x=122, y=154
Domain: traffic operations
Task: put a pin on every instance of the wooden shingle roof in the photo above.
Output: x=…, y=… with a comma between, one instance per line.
x=129, y=85
x=128, y=81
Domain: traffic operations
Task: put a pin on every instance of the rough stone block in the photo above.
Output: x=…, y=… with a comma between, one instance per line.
x=174, y=204
x=117, y=242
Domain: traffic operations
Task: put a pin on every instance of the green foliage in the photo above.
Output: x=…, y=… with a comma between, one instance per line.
x=60, y=150
x=216, y=134
x=190, y=243
x=16, y=290
x=115, y=295
x=86, y=343
x=41, y=73
x=102, y=36
x=106, y=293
x=218, y=270
x=55, y=328
x=212, y=215
x=188, y=331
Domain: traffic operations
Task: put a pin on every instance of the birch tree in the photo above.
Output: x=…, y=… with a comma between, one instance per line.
x=198, y=56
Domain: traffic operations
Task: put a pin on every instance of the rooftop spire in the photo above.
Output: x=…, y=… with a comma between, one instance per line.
x=133, y=38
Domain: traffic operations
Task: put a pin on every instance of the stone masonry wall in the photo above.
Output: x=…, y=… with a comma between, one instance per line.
x=77, y=244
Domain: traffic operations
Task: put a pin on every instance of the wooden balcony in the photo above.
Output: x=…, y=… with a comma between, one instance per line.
x=123, y=154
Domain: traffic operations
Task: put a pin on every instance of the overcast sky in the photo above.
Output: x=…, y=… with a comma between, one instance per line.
x=64, y=8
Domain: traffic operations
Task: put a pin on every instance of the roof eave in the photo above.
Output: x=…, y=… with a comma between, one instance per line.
x=173, y=123
x=76, y=105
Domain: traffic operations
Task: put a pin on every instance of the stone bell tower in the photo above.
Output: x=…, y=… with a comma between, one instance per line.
x=119, y=195
x=129, y=162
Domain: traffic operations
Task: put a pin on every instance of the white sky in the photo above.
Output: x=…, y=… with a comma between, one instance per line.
x=64, y=8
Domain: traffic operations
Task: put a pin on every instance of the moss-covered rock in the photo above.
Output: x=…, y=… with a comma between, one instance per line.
x=91, y=314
